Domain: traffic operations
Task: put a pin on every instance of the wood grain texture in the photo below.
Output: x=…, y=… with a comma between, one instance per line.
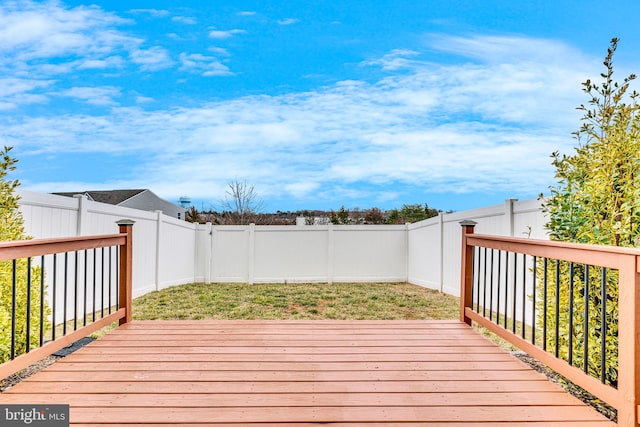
x=406, y=373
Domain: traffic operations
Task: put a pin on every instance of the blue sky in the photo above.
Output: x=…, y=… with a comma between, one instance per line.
x=318, y=104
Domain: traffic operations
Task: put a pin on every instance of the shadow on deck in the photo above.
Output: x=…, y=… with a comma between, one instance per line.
x=300, y=373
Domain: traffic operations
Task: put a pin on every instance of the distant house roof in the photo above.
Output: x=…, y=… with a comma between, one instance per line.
x=138, y=199
x=112, y=197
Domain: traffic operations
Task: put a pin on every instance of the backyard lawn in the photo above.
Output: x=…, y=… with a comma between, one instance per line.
x=342, y=301
x=300, y=301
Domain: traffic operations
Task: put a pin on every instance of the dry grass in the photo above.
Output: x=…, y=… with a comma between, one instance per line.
x=343, y=301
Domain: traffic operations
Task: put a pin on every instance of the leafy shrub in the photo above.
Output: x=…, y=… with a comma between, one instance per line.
x=570, y=339
x=22, y=288
x=597, y=201
x=12, y=228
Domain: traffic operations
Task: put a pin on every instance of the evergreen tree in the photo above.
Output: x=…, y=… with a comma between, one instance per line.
x=12, y=228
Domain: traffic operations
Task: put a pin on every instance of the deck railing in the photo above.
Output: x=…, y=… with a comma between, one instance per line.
x=62, y=290
x=573, y=307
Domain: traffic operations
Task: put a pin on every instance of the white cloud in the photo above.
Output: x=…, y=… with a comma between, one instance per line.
x=4, y=106
x=144, y=99
x=13, y=86
x=288, y=21
x=219, y=51
x=220, y=34
x=15, y=92
x=156, y=13
x=394, y=60
x=109, y=62
x=205, y=65
x=506, y=49
x=246, y=13
x=30, y=30
x=487, y=123
x=302, y=188
x=152, y=59
x=93, y=95
x=187, y=20
x=43, y=40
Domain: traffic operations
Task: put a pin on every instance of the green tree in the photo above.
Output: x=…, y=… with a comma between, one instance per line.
x=12, y=228
x=597, y=200
x=12, y=223
x=340, y=217
x=411, y=213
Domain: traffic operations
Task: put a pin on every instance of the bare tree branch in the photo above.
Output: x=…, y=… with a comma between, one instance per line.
x=242, y=204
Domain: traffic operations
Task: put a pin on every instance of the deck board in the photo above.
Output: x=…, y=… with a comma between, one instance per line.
x=300, y=373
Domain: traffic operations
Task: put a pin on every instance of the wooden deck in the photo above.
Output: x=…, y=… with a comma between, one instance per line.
x=295, y=373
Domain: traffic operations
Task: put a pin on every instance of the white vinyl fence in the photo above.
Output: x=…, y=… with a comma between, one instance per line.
x=164, y=248
x=435, y=244
x=323, y=253
x=168, y=251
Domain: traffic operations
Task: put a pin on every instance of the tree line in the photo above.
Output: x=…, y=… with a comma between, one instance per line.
x=406, y=214
x=242, y=206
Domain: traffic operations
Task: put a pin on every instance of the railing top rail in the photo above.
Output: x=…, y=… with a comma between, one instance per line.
x=601, y=255
x=36, y=247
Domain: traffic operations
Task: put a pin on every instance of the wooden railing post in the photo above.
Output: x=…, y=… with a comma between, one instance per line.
x=126, y=261
x=629, y=343
x=466, y=279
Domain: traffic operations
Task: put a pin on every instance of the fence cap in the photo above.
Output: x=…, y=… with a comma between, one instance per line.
x=468, y=223
x=128, y=222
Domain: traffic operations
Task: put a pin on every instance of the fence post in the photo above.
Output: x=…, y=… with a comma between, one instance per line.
x=213, y=254
x=209, y=252
x=330, y=253
x=159, y=244
x=509, y=217
x=629, y=343
x=406, y=252
x=126, y=262
x=440, y=251
x=196, y=252
x=252, y=253
x=82, y=214
x=466, y=277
